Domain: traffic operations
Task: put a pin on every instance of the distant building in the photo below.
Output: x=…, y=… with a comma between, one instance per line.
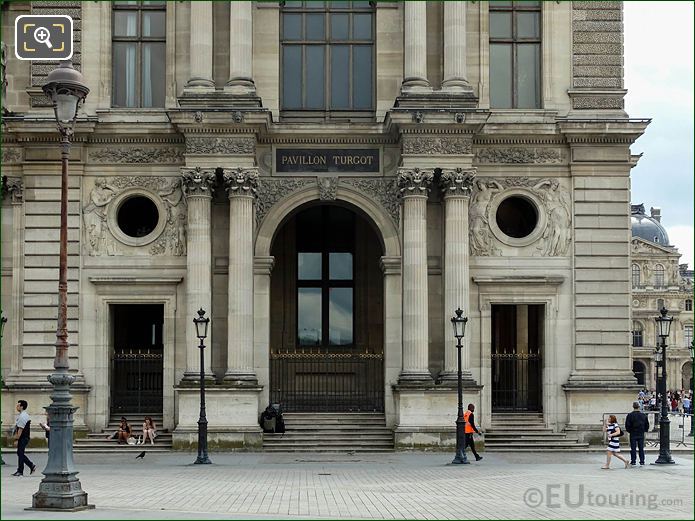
x=658, y=280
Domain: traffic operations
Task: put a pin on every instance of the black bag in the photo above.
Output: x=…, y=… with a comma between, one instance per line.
x=622, y=433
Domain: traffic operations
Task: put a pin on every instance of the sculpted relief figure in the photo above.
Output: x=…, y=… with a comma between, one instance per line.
x=558, y=233
x=481, y=242
x=94, y=215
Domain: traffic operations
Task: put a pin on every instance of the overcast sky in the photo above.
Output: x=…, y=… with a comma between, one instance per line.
x=659, y=79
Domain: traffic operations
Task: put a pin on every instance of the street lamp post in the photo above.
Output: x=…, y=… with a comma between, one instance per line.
x=691, y=348
x=3, y=321
x=663, y=327
x=459, y=324
x=60, y=489
x=201, y=328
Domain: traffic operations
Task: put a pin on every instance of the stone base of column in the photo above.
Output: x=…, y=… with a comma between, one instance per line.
x=241, y=87
x=195, y=377
x=416, y=378
x=446, y=378
x=457, y=87
x=241, y=378
x=453, y=101
x=415, y=84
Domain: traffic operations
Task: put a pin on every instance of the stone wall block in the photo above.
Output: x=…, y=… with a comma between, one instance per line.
x=599, y=14
x=596, y=5
x=597, y=59
x=597, y=37
x=599, y=26
x=597, y=48
x=598, y=71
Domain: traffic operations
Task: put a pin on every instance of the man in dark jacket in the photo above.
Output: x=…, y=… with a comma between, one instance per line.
x=636, y=424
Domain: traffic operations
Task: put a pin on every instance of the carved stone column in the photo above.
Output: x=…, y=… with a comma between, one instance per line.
x=201, y=45
x=13, y=190
x=455, y=48
x=198, y=185
x=414, y=185
x=240, y=49
x=456, y=185
x=415, y=38
x=241, y=184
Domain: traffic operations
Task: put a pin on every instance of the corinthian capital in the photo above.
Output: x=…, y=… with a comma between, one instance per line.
x=457, y=181
x=198, y=181
x=415, y=181
x=241, y=181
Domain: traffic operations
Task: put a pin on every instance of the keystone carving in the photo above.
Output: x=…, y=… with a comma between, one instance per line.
x=198, y=181
x=328, y=188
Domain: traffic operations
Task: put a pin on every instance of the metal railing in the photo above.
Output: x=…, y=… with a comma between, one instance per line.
x=517, y=381
x=327, y=381
x=137, y=381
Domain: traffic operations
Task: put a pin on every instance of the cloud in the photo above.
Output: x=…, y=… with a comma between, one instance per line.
x=682, y=238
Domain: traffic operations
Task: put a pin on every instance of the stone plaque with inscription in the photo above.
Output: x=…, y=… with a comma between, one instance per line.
x=327, y=160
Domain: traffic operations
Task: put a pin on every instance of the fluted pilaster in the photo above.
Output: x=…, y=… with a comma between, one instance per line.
x=241, y=186
x=455, y=48
x=201, y=45
x=198, y=185
x=456, y=185
x=415, y=39
x=414, y=185
x=241, y=49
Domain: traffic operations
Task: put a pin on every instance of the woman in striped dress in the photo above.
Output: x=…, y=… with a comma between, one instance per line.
x=613, y=449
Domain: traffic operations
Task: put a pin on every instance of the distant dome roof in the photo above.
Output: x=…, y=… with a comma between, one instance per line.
x=647, y=227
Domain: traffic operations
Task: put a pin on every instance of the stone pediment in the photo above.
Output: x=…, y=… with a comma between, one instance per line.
x=640, y=246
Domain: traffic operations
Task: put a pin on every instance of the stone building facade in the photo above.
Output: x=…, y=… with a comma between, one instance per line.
x=658, y=280
x=455, y=154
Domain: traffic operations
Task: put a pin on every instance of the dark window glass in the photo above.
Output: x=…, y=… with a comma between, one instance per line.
x=515, y=55
x=635, y=276
x=325, y=278
x=688, y=305
x=292, y=76
x=333, y=68
x=637, y=335
x=139, y=54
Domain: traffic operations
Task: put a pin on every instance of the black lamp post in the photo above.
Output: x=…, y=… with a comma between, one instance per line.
x=3, y=321
x=663, y=329
x=201, y=328
x=459, y=324
x=60, y=489
x=691, y=348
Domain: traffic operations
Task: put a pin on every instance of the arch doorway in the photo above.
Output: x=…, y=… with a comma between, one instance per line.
x=640, y=372
x=326, y=309
x=687, y=376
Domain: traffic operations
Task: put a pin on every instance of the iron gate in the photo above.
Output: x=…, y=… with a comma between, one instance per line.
x=137, y=381
x=517, y=381
x=327, y=382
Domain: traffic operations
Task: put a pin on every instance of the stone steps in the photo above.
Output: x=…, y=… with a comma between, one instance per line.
x=97, y=442
x=527, y=432
x=331, y=432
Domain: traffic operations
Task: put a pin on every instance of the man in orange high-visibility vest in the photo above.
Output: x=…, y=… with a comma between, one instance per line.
x=470, y=428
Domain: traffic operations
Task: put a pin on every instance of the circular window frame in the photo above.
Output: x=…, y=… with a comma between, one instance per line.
x=535, y=234
x=115, y=206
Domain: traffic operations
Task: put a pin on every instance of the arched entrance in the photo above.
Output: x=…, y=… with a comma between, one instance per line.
x=687, y=376
x=640, y=372
x=327, y=312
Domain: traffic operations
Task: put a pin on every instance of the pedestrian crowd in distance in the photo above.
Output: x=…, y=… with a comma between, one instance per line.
x=679, y=401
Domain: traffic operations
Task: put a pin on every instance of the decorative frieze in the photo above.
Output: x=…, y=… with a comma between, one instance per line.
x=220, y=145
x=328, y=188
x=437, y=145
x=271, y=190
x=457, y=181
x=100, y=218
x=11, y=155
x=383, y=190
x=415, y=181
x=165, y=155
x=13, y=189
x=551, y=199
x=198, y=181
x=519, y=155
x=241, y=181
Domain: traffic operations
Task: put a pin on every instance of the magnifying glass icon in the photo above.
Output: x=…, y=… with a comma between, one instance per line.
x=42, y=35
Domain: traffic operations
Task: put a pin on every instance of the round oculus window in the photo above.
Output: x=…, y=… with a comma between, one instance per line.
x=517, y=217
x=138, y=216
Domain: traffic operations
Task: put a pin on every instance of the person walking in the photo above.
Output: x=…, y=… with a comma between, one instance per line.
x=22, y=432
x=612, y=428
x=470, y=428
x=636, y=424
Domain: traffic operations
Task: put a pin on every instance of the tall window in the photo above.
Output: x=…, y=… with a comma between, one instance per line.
x=637, y=334
x=688, y=335
x=688, y=305
x=659, y=276
x=639, y=370
x=635, y=276
x=138, y=60
x=327, y=57
x=325, y=278
x=515, y=54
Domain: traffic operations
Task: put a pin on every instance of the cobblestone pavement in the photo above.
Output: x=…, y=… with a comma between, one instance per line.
x=379, y=486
